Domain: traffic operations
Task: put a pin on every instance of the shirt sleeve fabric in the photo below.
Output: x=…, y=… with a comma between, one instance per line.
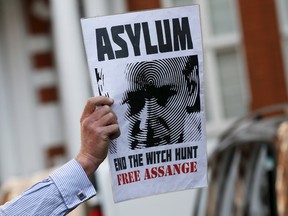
x=64, y=190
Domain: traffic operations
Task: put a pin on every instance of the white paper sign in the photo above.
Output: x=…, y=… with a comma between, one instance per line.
x=151, y=64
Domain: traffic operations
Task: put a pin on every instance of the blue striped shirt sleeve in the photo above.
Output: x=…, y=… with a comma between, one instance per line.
x=64, y=190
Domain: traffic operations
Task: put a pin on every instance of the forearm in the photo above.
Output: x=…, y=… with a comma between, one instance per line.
x=64, y=190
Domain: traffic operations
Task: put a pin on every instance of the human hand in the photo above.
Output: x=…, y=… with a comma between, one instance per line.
x=98, y=126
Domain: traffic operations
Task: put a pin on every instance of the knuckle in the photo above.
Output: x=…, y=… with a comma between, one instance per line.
x=117, y=129
x=86, y=124
x=111, y=116
x=99, y=131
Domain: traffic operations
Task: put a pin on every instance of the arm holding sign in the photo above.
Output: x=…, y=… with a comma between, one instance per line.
x=69, y=186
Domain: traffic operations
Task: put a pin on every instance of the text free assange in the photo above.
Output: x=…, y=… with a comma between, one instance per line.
x=157, y=172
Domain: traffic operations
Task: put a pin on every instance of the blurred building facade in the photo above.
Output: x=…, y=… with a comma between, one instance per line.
x=44, y=82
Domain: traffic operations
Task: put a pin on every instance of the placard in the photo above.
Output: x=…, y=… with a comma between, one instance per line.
x=151, y=64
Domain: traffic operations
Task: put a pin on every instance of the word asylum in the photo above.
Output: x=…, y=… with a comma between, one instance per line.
x=168, y=39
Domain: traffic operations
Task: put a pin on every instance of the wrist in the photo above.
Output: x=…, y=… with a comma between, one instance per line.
x=87, y=163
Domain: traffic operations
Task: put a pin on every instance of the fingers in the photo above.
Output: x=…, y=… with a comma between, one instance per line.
x=98, y=114
x=93, y=103
x=104, y=117
x=101, y=116
x=113, y=131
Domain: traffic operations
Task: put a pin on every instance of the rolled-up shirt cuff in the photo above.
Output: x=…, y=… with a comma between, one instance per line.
x=73, y=184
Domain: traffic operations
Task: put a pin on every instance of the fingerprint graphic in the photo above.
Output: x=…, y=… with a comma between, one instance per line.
x=161, y=94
